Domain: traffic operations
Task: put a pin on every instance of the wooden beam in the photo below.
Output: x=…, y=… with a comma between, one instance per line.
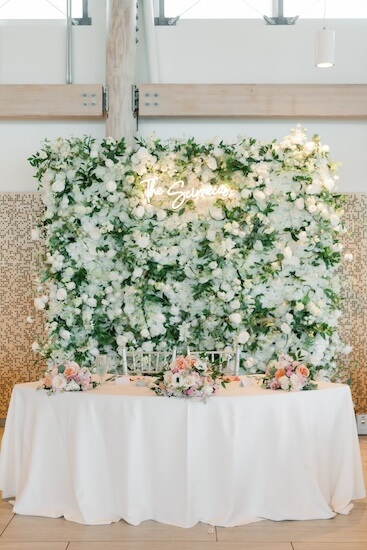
x=120, y=68
x=253, y=100
x=51, y=101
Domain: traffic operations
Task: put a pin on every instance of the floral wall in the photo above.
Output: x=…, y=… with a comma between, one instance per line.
x=177, y=243
x=18, y=256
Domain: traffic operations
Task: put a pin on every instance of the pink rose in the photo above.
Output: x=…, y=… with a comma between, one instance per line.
x=71, y=369
x=302, y=370
x=47, y=381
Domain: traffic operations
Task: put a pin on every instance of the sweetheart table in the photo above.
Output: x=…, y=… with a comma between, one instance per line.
x=122, y=452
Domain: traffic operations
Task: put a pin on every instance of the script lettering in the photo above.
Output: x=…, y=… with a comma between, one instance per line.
x=180, y=194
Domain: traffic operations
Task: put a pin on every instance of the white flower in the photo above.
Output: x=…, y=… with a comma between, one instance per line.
x=72, y=386
x=216, y=213
x=348, y=257
x=299, y=203
x=35, y=346
x=58, y=186
x=35, y=234
x=61, y=294
x=40, y=302
x=65, y=334
x=142, y=241
x=259, y=195
x=30, y=320
x=139, y=212
x=121, y=340
x=111, y=186
x=235, y=318
x=59, y=383
x=243, y=337
x=284, y=382
x=284, y=327
x=287, y=252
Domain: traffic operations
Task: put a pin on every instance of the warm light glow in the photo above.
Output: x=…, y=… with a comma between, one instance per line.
x=179, y=194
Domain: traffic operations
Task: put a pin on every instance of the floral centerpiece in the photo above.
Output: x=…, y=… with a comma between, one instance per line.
x=288, y=374
x=189, y=376
x=68, y=376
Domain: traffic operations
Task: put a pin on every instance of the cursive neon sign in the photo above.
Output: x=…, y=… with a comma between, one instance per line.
x=179, y=194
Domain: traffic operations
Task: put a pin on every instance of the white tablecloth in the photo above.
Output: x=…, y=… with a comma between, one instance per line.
x=123, y=452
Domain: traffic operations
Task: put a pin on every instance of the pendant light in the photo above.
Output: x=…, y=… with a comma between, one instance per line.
x=325, y=46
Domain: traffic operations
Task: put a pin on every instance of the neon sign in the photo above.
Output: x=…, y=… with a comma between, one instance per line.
x=179, y=194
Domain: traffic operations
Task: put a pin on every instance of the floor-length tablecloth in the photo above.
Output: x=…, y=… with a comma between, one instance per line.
x=123, y=452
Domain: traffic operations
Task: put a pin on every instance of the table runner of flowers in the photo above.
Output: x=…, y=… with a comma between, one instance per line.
x=256, y=262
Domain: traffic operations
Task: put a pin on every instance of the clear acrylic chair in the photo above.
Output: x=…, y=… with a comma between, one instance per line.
x=225, y=361
x=147, y=362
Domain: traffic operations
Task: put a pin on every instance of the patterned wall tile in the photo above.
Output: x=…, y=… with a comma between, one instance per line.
x=353, y=323
x=18, y=256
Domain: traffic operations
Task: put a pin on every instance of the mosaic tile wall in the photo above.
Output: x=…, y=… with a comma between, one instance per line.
x=353, y=325
x=18, y=257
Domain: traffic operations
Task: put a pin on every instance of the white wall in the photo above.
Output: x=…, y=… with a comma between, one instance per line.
x=231, y=51
x=253, y=52
x=35, y=53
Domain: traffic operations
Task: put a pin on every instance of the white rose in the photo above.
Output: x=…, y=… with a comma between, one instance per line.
x=58, y=186
x=35, y=234
x=91, y=302
x=348, y=257
x=243, y=337
x=72, y=386
x=161, y=215
x=39, y=303
x=139, y=212
x=216, y=213
x=111, y=186
x=208, y=390
x=142, y=241
x=287, y=252
x=329, y=184
x=35, y=346
x=334, y=220
x=284, y=382
x=121, y=340
x=94, y=233
x=299, y=204
x=235, y=318
x=61, y=294
x=284, y=327
x=137, y=273
x=59, y=382
x=259, y=196
x=258, y=246
x=65, y=334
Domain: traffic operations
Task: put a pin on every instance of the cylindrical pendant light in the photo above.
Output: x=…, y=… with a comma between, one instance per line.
x=325, y=48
